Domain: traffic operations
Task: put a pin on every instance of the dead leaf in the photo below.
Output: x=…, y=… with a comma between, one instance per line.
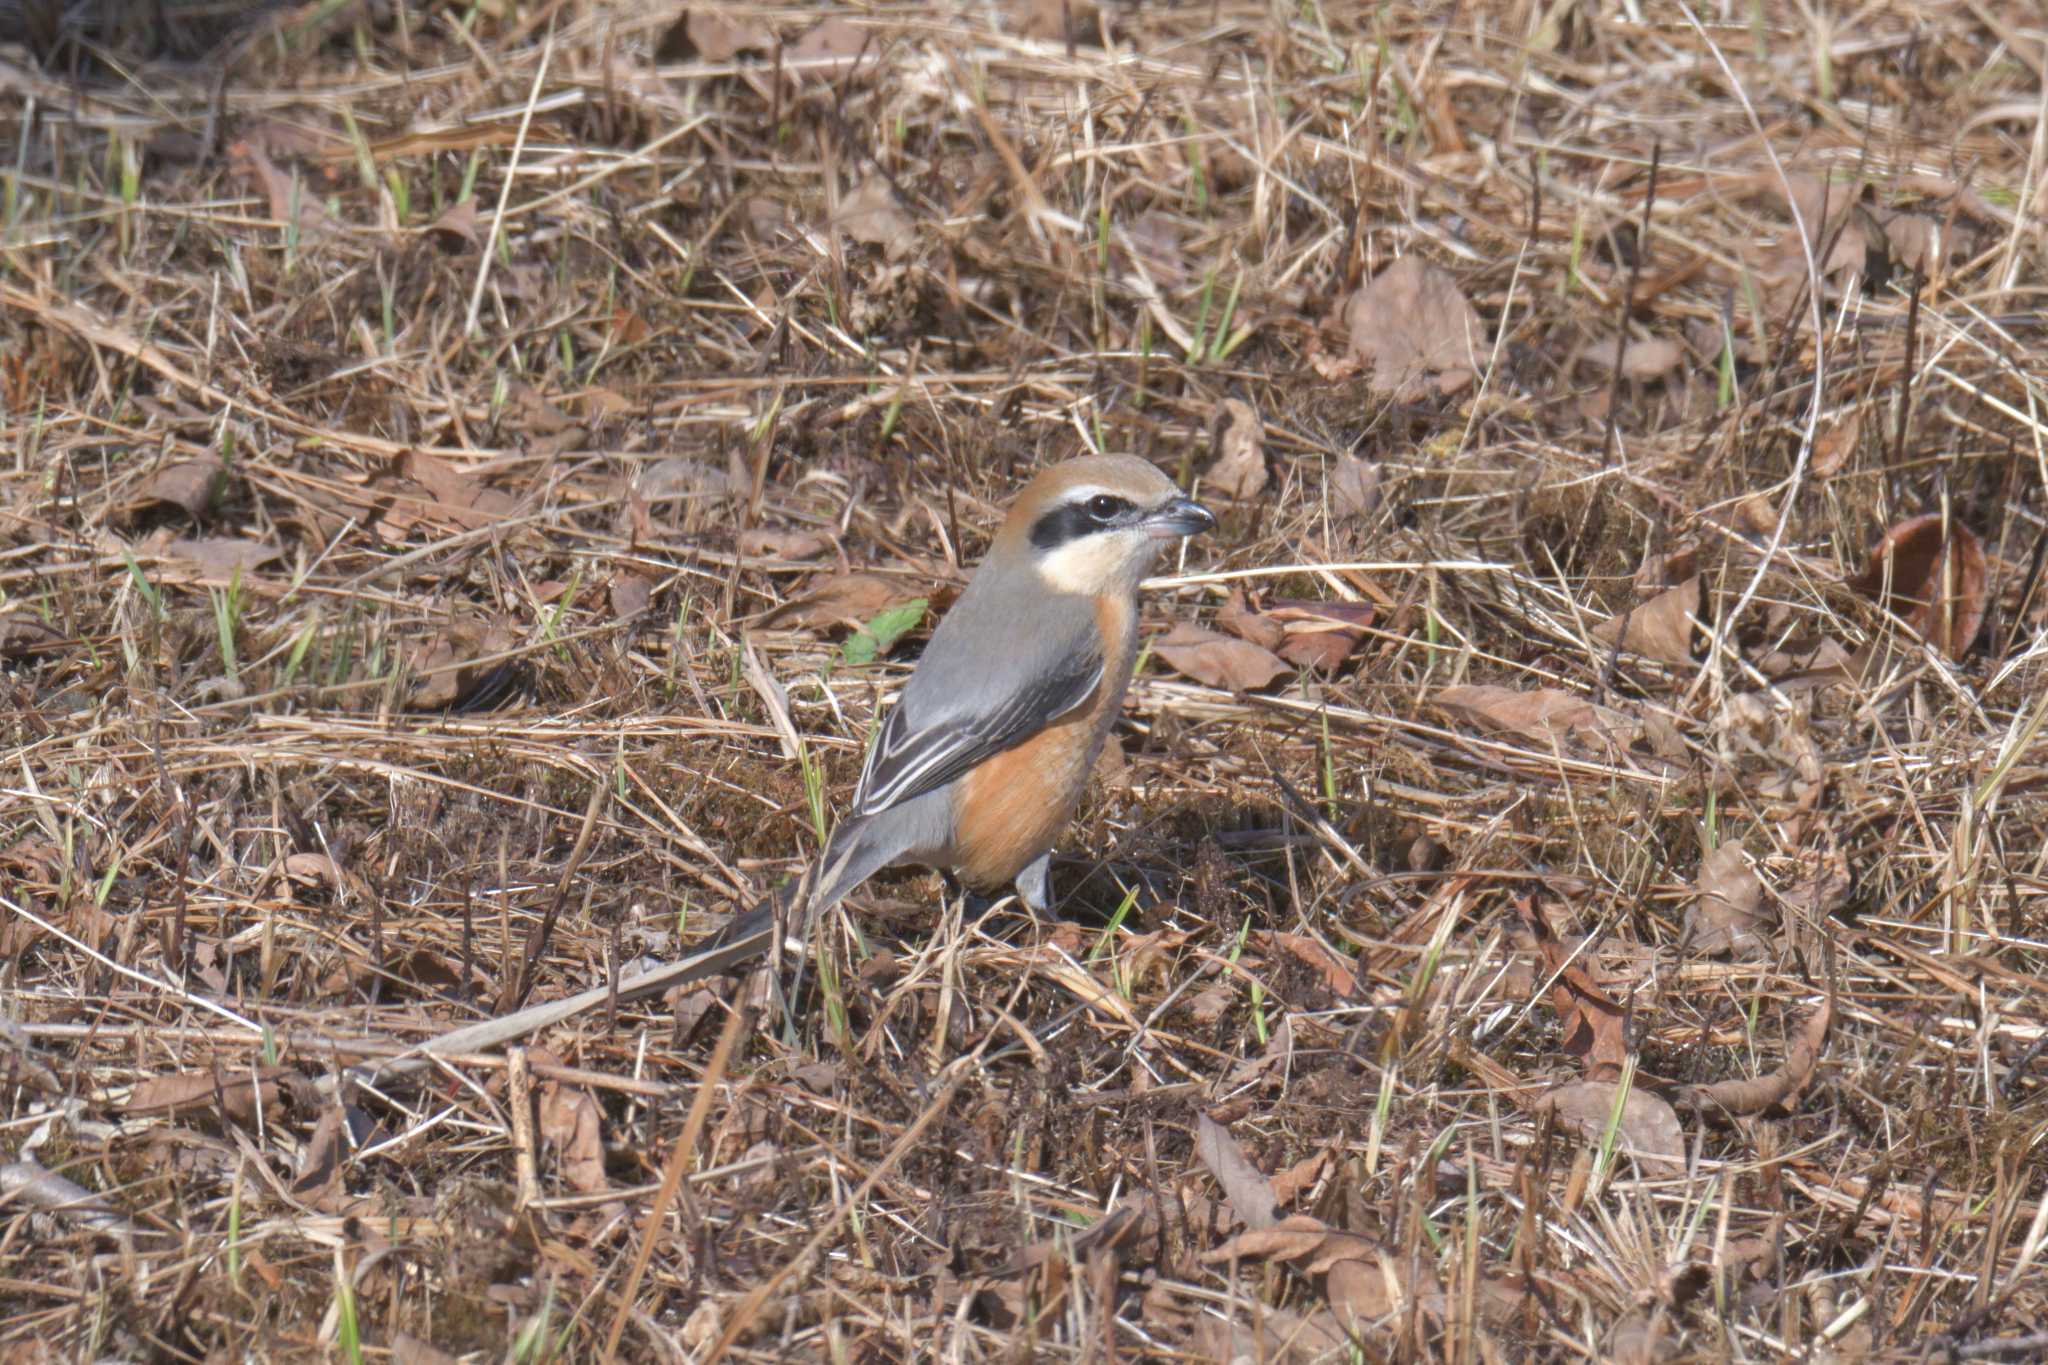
x=456, y=227
x=571, y=1120
x=1661, y=628
x=1413, y=325
x=871, y=216
x=1641, y=1337
x=1056, y=21
x=189, y=485
x=312, y=869
x=1649, y=1128
x=1931, y=576
x=22, y=633
x=292, y=201
x=221, y=557
x=1246, y=622
x=317, y=1181
x=1150, y=247
x=679, y=476
x=1833, y=447
x=1216, y=660
x=848, y=599
x=1249, y=1192
x=1320, y=634
x=461, y=668
x=425, y=490
x=769, y=542
x=1354, y=486
x=829, y=48
x=407, y=1349
x=1916, y=241
x=234, y=1094
x=716, y=33
x=1278, y=1336
x=1301, y=1178
x=600, y=404
x=1728, y=916
x=1644, y=360
x=1594, y=1027
x=1211, y=1003
x=631, y=594
x=1780, y=1087
x=1544, y=714
x=1239, y=470
x=1337, y=974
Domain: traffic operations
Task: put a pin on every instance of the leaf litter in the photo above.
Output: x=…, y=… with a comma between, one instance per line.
x=393, y=626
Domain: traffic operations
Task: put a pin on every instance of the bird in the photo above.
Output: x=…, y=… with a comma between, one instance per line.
x=987, y=751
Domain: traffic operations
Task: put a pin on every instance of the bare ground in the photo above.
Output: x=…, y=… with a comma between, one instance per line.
x=473, y=468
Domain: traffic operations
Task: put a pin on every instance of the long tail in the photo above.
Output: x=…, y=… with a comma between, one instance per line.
x=851, y=857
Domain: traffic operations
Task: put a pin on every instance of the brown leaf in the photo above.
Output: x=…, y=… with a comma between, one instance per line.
x=1216, y=660
x=850, y=599
x=717, y=33
x=1250, y=1193
x=1640, y=1337
x=425, y=490
x=1247, y=623
x=830, y=47
x=1354, y=486
x=1755, y=1096
x=456, y=227
x=1239, y=470
x=1337, y=974
x=1056, y=21
x=1279, y=1336
x=1593, y=1025
x=1936, y=580
x=190, y=485
x=231, y=1093
x=1661, y=628
x=317, y=1181
x=1649, y=1128
x=218, y=557
x=570, y=1119
x=1413, y=325
x=1543, y=714
x=600, y=404
x=291, y=199
x=1728, y=916
x=407, y=1349
x=459, y=664
x=631, y=594
x=871, y=215
x=1300, y=1178
x=22, y=634
x=769, y=542
x=1915, y=241
x=1833, y=447
x=1320, y=634
x=1644, y=360
x=1151, y=246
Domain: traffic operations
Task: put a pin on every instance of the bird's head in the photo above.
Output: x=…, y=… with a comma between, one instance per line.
x=1096, y=524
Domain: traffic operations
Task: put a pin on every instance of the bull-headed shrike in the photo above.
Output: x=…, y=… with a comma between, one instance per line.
x=987, y=752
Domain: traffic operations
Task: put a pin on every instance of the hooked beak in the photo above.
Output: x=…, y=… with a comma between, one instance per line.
x=1181, y=517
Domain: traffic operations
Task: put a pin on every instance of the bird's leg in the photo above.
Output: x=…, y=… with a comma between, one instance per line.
x=1034, y=885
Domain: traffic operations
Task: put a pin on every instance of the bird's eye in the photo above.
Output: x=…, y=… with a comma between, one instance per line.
x=1107, y=507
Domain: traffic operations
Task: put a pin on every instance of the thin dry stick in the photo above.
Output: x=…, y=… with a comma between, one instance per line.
x=672, y=1173
x=483, y=265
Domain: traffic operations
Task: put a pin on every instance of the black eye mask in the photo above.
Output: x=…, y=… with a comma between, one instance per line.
x=1082, y=517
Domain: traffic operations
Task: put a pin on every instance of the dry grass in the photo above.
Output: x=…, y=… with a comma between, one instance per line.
x=377, y=592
